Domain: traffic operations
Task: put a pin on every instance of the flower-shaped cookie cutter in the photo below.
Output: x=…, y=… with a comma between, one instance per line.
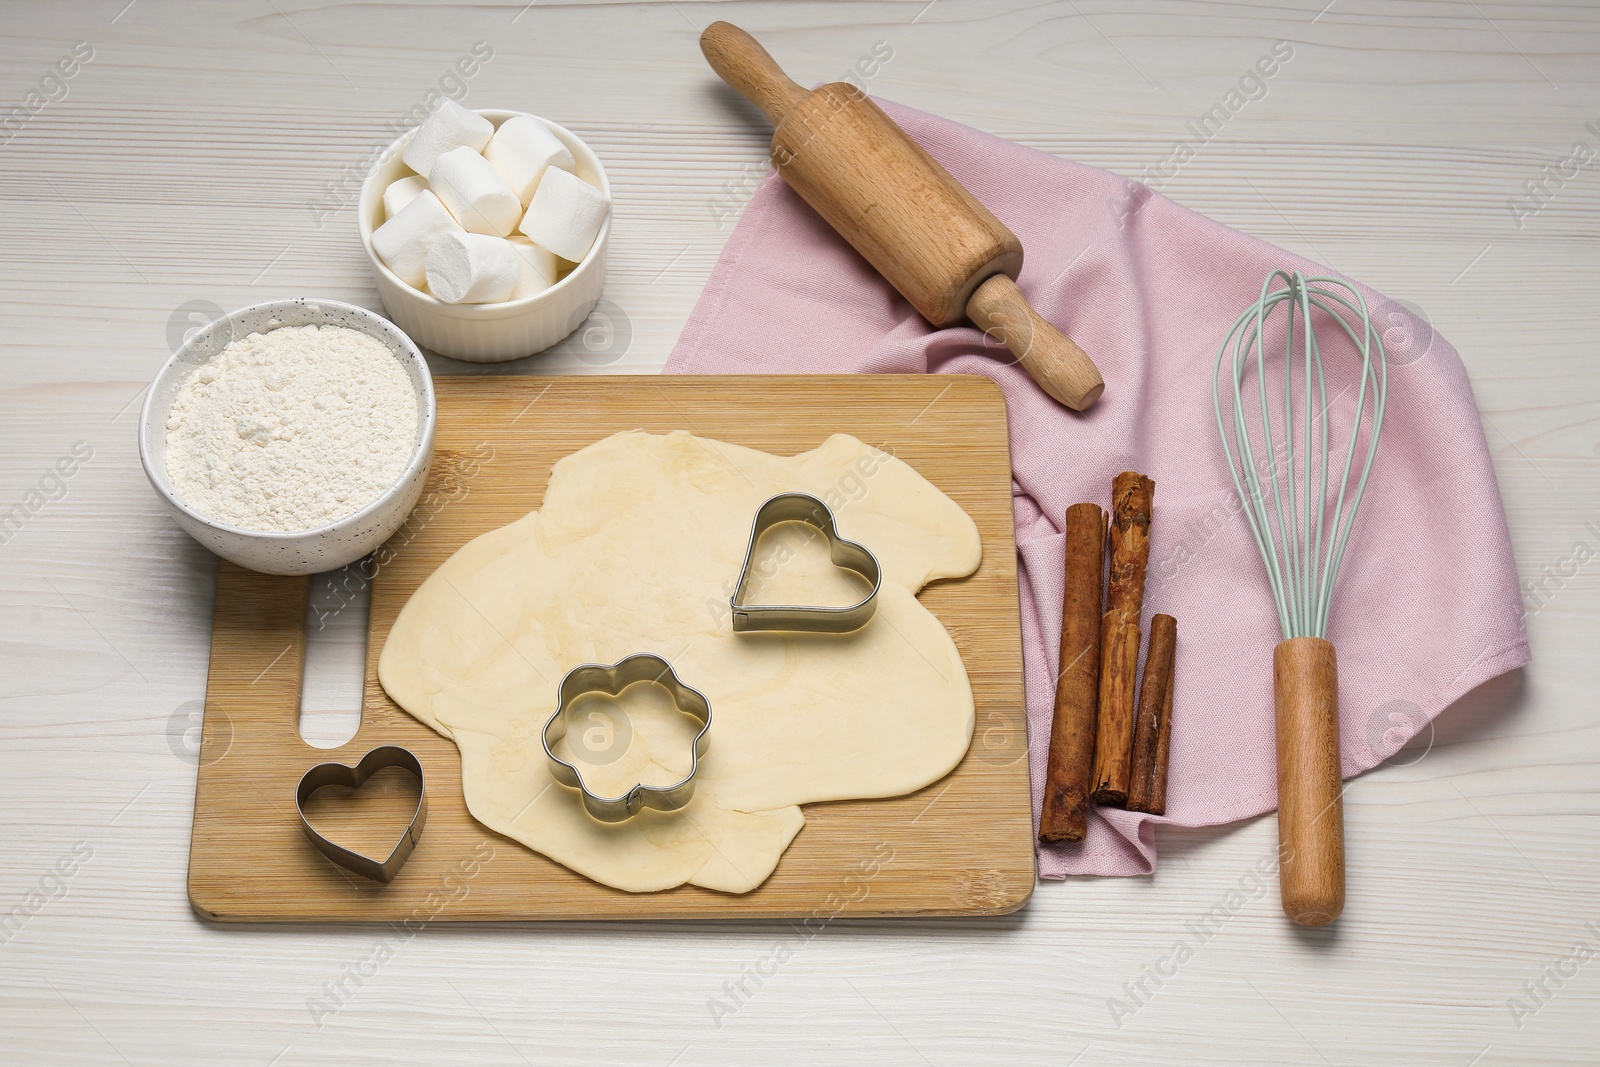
x=612, y=680
x=802, y=507
x=325, y=774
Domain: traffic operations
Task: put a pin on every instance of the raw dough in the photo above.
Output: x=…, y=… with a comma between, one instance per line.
x=636, y=550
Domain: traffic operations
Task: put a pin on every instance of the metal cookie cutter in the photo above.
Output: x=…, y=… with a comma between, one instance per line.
x=801, y=507
x=339, y=774
x=612, y=680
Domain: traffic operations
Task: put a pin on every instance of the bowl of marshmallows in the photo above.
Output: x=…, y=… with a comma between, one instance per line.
x=487, y=232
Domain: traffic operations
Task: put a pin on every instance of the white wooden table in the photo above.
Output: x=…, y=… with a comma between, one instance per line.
x=185, y=169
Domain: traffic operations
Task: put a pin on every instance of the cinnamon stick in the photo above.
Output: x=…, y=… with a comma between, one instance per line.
x=1065, y=815
x=1158, y=777
x=1131, y=496
x=1113, y=747
x=1148, y=790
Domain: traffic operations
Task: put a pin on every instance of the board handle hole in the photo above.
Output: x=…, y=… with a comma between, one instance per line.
x=336, y=655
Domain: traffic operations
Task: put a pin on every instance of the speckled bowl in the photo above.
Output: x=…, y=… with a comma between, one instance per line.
x=488, y=333
x=309, y=551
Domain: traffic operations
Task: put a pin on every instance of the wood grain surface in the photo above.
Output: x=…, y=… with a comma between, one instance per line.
x=178, y=175
x=963, y=845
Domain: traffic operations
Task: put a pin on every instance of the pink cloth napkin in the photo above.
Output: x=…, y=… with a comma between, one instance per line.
x=1428, y=604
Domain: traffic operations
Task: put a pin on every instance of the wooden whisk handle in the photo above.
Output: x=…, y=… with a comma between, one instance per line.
x=739, y=60
x=998, y=308
x=1305, y=676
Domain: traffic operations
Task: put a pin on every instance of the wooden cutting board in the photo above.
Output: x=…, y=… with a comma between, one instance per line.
x=963, y=845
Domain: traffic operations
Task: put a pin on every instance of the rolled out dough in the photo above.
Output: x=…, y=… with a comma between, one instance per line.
x=636, y=549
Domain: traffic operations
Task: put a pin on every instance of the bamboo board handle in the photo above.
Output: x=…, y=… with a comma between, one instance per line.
x=1054, y=360
x=739, y=60
x=1305, y=676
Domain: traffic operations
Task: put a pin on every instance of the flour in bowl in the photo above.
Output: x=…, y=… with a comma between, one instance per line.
x=291, y=429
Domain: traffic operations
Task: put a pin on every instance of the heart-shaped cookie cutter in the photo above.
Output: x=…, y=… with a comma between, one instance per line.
x=802, y=507
x=612, y=680
x=325, y=774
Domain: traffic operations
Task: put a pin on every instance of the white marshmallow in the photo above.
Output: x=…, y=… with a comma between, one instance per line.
x=452, y=126
x=540, y=268
x=473, y=190
x=402, y=242
x=472, y=268
x=565, y=214
x=401, y=192
x=521, y=149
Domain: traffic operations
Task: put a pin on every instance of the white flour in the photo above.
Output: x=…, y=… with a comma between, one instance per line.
x=291, y=429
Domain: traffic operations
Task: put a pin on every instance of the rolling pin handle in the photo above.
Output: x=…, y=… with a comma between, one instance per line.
x=739, y=60
x=1062, y=369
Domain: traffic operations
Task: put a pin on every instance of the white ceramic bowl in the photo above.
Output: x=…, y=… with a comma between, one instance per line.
x=308, y=551
x=487, y=333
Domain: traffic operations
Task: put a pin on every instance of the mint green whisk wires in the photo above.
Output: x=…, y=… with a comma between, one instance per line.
x=1301, y=535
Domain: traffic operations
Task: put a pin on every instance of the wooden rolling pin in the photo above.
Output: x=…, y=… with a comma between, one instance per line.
x=902, y=211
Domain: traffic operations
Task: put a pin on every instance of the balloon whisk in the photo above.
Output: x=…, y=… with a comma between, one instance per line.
x=1300, y=511
x=1301, y=503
